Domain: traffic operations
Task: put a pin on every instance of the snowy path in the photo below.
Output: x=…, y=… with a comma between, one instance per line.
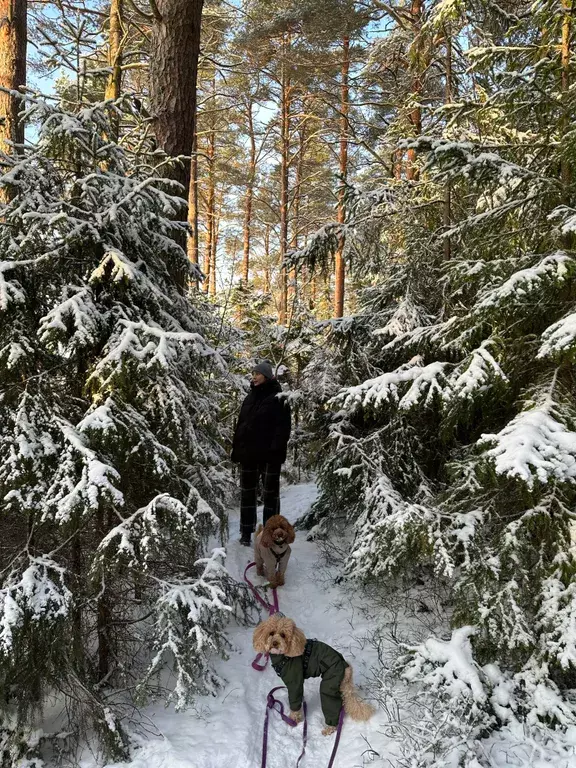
x=226, y=731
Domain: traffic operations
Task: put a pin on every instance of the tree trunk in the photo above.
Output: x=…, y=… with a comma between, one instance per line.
x=210, y=210
x=295, y=209
x=267, y=281
x=565, y=53
x=447, y=213
x=192, y=244
x=115, y=47
x=174, y=50
x=339, y=273
x=13, y=38
x=214, y=244
x=114, y=84
x=249, y=197
x=416, y=12
x=284, y=166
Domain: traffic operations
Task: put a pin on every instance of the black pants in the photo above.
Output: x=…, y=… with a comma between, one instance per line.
x=269, y=474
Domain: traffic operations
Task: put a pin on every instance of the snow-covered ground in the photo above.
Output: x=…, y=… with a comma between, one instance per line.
x=226, y=731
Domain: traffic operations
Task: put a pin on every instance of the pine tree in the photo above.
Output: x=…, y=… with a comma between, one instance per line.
x=456, y=449
x=113, y=473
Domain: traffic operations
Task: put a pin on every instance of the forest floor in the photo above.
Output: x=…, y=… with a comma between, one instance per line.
x=226, y=731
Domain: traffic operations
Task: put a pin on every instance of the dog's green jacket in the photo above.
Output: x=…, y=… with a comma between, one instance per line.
x=318, y=660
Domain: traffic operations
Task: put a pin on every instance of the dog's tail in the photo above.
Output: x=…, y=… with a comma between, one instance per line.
x=259, y=531
x=354, y=706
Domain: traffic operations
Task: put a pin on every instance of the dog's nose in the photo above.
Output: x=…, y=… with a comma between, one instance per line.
x=275, y=644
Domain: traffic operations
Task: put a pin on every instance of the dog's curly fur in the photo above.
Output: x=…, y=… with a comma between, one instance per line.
x=277, y=529
x=277, y=526
x=278, y=634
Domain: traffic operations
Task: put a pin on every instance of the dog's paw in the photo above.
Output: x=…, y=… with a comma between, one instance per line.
x=260, y=571
x=279, y=579
x=329, y=730
x=296, y=716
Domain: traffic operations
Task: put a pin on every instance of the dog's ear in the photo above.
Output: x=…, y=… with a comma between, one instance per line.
x=259, y=637
x=297, y=642
x=290, y=532
x=266, y=538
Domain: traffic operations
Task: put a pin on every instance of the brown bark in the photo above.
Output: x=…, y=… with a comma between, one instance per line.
x=214, y=244
x=447, y=213
x=13, y=38
x=248, y=199
x=416, y=12
x=286, y=95
x=192, y=243
x=339, y=271
x=115, y=46
x=267, y=284
x=296, y=199
x=114, y=84
x=565, y=54
x=210, y=209
x=175, y=46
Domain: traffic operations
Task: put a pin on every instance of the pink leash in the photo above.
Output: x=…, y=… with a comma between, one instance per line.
x=272, y=608
x=271, y=703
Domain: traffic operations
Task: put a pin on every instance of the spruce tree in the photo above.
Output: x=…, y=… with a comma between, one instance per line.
x=112, y=471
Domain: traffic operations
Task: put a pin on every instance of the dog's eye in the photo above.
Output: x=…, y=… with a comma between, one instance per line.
x=282, y=635
x=271, y=633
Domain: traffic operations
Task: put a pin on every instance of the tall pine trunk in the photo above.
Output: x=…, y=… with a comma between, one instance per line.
x=192, y=244
x=286, y=92
x=13, y=38
x=295, y=208
x=339, y=272
x=210, y=210
x=214, y=244
x=447, y=213
x=416, y=13
x=267, y=281
x=565, y=53
x=174, y=51
x=249, y=197
x=115, y=46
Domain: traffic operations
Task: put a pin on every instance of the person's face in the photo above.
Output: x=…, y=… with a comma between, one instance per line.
x=258, y=378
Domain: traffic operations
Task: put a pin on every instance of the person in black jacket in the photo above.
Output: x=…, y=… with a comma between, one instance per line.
x=259, y=446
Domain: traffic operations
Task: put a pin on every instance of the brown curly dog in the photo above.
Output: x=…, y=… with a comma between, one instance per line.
x=272, y=549
x=295, y=659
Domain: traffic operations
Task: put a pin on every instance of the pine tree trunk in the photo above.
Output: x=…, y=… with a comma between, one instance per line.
x=284, y=167
x=215, y=233
x=567, y=21
x=210, y=210
x=13, y=38
x=115, y=46
x=295, y=209
x=416, y=13
x=267, y=281
x=339, y=272
x=114, y=84
x=447, y=213
x=249, y=198
x=174, y=50
x=192, y=243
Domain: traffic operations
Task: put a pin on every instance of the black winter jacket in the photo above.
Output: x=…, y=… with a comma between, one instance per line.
x=263, y=427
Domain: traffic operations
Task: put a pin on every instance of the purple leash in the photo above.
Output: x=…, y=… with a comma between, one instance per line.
x=272, y=608
x=271, y=703
x=337, y=739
